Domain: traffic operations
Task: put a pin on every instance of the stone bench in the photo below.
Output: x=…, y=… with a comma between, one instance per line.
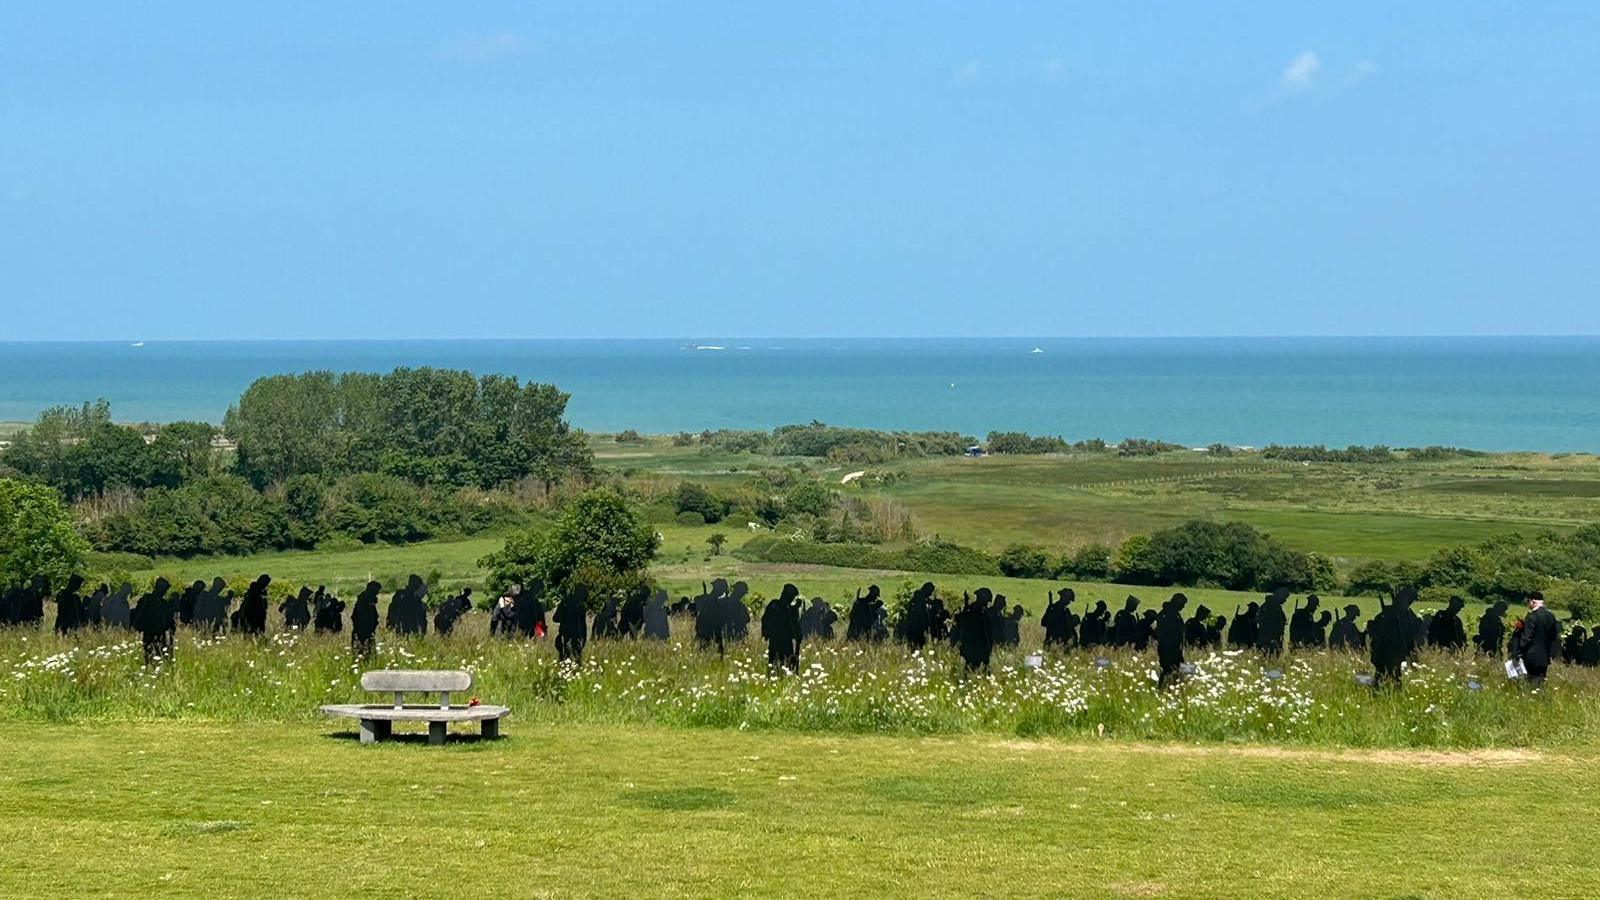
x=377, y=719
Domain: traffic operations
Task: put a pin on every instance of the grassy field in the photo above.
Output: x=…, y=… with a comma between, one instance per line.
x=207, y=810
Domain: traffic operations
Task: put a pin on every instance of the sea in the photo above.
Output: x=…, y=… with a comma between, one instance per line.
x=1490, y=393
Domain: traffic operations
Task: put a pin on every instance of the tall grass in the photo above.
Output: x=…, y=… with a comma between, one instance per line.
x=1449, y=701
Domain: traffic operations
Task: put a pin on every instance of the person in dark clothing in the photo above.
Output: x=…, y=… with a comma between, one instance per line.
x=1125, y=627
x=914, y=621
x=1242, y=633
x=1270, y=622
x=364, y=619
x=572, y=616
x=1169, y=638
x=972, y=630
x=1491, y=629
x=1347, y=635
x=330, y=613
x=296, y=610
x=1539, y=640
x=1446, y=631
x=69, y=607
x=253, y=608
x=503, y=620
x=154, y=620
x=1391, y=638
x=780, y=626
x=816, y=623
x=630, y=621
x=1059, y=622
x=657, y=622
x=1096, y=626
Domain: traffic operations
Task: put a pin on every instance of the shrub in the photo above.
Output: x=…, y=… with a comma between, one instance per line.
x=1021, y=561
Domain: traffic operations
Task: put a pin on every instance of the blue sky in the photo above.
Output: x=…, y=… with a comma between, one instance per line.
x=386, y=169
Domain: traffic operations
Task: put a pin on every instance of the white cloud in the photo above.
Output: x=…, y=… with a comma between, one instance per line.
x=1301, y=72
x=482, y=48
x=968, y=71
x=1361, y=71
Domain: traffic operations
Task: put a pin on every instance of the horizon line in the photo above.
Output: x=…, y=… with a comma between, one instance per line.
x=730, y=337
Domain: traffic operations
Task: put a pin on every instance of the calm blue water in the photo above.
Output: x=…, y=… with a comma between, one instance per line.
x=1489, y=393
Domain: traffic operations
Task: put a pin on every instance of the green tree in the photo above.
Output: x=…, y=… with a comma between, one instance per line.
x=181, y=453
x=694, y=498
x=716, y=541
x=1022, y=561
x=597, y=540
x=1134, y=562
x=36, y=535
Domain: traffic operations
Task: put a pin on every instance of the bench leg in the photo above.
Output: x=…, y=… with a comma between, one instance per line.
x=436, y=733
x=369, y=731
x=491, y=729
x=384, y=728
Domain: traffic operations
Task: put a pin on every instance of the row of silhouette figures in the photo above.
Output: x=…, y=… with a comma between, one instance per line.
x=721, y=614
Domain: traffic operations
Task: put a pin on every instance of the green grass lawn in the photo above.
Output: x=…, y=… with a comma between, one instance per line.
x=302, y=810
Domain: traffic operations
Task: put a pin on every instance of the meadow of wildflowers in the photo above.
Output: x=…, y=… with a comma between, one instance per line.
x=1449, y=701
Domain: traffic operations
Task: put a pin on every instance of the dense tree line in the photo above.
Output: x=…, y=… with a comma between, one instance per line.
x=406, y=456
x=852, y=445
x=1564, y=565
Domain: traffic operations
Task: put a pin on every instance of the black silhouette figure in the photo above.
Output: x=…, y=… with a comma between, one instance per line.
x=973, y=636
x=1270, y=622
x=1012, y=623
x=735, y=614
x=251, y=617
x=329, y=618
x=915, y=621
x=94, y=606
x=780, y=626
x=630, y=622
x=656, y=623
x=1446, y=631
x=816, y=623
x=529, y=601
x=154, y=619
x=451, y=611
x=1492, y=629
x=1125, y=627
x=1196, y=631
x=1572, y=645
x=605, y=621
x=115, y=613
x=27, y=608
x=211, y=609
x=572, y=616
x=1591, y=650
x=69, y=607
x=1243, y=632
x=710, y=615
x=9, y=601
x=296, y=610
x=1319, y=630
x=364, y=620
x=938, y=622
x=1391, y=637
x=1302, y=625
x=408, y=609
x=187, y=601
x=1169, y=638
x=1096, y=628
x=1539, y=640
x=1060, y=623
x=866, y=617
x=1147, y=630
x=1347, y=635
